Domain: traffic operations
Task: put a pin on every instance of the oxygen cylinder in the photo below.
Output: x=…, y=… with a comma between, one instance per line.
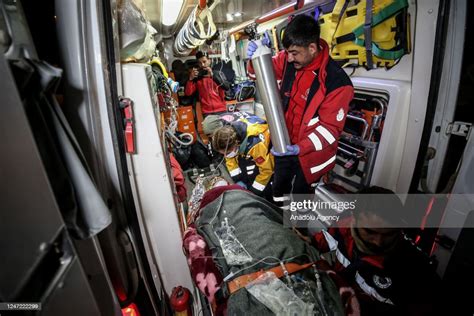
x=181, y=301
x=268, y=90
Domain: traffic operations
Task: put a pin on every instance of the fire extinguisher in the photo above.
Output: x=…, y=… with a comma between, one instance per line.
x=181, y=301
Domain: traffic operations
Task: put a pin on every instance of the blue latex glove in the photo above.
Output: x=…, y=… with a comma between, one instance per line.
x=252, y=47
x=243, y=185
x=266, y=39
x=292, y=150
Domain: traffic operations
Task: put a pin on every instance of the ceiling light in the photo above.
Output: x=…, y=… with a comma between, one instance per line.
x=237, y=14
x=170, y=11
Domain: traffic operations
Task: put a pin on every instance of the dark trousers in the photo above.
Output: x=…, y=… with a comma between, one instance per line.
x=288, y=178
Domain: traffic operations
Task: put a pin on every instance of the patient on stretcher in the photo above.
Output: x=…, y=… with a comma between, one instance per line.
x=266, y=269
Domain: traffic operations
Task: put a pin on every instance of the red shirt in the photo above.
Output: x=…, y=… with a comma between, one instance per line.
x=211, y=95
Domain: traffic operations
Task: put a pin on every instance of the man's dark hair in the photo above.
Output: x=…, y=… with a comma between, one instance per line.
x=301, y=31
x=381, y=202
x=200, y=55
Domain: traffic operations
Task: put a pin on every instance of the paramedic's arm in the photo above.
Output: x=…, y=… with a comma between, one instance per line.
x=327, y=127
x=278, y=66
x=190, y=88
x=320, y=241
x=235, y=172
x=265, y=164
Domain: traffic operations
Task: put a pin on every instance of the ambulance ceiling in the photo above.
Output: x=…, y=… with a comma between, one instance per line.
x=249, y=9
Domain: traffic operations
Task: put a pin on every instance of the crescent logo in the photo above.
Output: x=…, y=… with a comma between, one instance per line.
x=382, y=282
x=340, y=115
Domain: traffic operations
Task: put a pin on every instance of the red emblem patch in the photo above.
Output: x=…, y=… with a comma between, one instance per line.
x=260, y=160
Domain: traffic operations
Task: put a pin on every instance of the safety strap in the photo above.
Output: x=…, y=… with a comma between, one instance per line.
x=368, y=33
x=242, y=281
x=340, y=8
x=383, y=15
x=391, y=54
x=387, y=12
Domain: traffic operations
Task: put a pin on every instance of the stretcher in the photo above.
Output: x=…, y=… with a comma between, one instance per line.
x=252, y=264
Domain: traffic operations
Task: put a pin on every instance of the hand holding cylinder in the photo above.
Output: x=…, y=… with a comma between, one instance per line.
x=270, y=96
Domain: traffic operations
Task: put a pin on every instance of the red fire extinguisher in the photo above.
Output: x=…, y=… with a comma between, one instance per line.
x=181, y=301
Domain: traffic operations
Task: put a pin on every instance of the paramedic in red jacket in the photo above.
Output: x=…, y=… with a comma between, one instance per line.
x=209, y=84
x=369, y=250
x=315, y=94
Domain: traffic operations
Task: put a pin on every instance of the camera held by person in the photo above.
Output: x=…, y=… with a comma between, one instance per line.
x=210, y=85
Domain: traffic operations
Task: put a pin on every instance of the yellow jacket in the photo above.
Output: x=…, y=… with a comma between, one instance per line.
x=255, y=145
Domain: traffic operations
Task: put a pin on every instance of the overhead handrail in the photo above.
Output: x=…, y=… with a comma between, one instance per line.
x=198, y=27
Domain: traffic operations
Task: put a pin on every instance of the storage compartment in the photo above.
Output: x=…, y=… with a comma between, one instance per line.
x=359, y=141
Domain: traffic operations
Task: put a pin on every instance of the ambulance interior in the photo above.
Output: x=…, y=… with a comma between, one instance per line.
x=96, y=215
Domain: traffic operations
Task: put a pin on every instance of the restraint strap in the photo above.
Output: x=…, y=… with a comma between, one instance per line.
x=243, y=280
x=368, y=34
x=384, y=14
x=338, y=12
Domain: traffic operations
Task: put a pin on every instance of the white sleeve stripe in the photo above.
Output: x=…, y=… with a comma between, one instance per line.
x=326, y=134
x=251, y=167
x=323, y=165
x=333, y=246
x=281, y=198
x=370, y=290
x=316, y=142
x=313, y=121
x=332, y=242
x=258, y=186
x=235, y=172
